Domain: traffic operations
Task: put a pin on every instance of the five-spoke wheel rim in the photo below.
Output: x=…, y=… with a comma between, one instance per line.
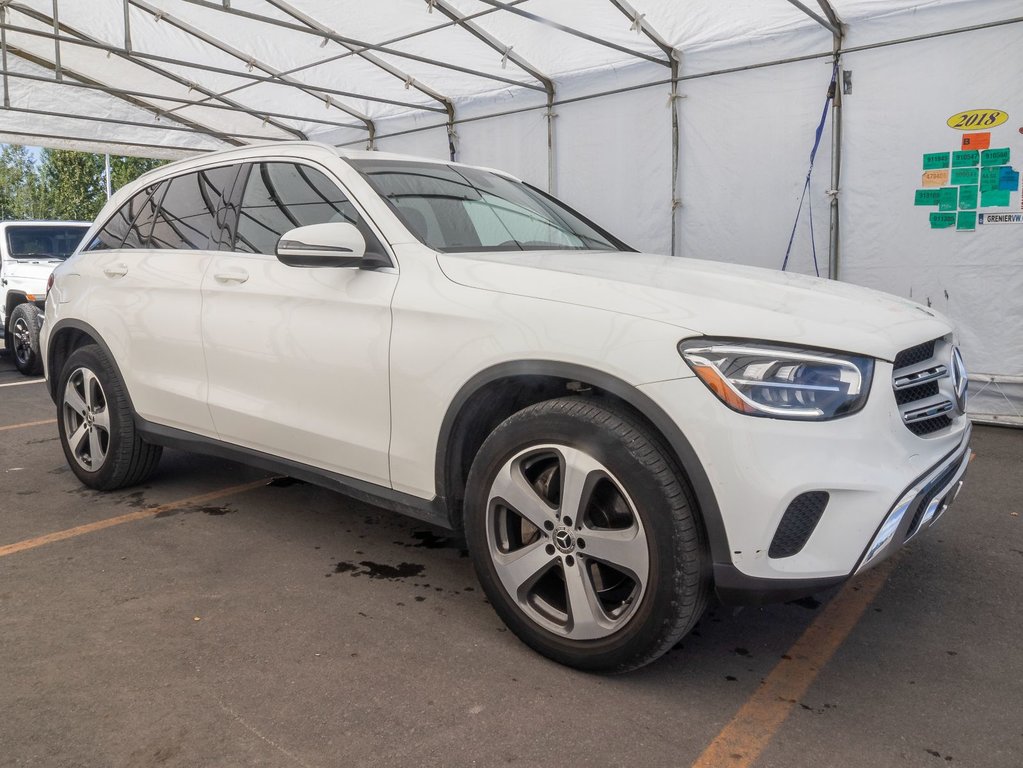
x=567, y=543
x=86, y=419
x=22, y=340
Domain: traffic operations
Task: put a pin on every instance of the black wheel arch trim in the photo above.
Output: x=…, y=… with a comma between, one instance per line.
x=78, y=325
x=683, y=450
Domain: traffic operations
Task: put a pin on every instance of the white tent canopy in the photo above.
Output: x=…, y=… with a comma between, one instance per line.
x=684, y=127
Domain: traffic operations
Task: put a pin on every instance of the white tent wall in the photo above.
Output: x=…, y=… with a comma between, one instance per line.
x=901, y=100
x=746, y=141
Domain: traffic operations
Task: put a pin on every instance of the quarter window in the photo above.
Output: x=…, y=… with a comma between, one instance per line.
x=116, y=229
x=188, y=210
x=282, y=196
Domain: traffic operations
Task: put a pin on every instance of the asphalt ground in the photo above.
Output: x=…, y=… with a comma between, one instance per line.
x=278, y=624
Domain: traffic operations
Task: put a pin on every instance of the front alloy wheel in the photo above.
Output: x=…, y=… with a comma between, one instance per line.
x=566, y=542
x=584, y=536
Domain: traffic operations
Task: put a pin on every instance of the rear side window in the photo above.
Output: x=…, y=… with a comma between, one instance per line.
x=142, y=224
x=281, y=196
x=187, y=214
x=116, y=229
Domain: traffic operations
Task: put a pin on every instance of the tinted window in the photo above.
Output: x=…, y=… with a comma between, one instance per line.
x=138, y=232
x=116, y=228
x=26, y=241
x=188, y=210
x=466, y=209
x=281, y=196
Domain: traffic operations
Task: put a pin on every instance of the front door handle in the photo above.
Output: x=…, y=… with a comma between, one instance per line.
x=231, y=277
x=116, y=270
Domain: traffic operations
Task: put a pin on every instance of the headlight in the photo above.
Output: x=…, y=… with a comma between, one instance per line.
x=765, y=379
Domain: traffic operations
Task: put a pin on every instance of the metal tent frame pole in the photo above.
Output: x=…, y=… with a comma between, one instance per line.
x=834, y=242
x=508, y=54
x=250, y=61
x=163, y=73
x=358, y=44
x=409, y=81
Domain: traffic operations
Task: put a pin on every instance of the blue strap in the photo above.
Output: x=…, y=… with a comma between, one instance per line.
x=806, y=185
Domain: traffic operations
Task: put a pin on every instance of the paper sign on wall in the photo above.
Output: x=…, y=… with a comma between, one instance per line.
x=972, y=174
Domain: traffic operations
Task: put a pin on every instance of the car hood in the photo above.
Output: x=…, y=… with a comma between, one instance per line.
x=708, y=298
x=30, y=271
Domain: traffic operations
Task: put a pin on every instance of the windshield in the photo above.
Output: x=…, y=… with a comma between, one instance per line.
x=454, y=209
x=33, y=241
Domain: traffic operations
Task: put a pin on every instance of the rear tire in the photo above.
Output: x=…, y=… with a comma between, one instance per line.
x=97, y=430
x=584, y=535
x=23, y=337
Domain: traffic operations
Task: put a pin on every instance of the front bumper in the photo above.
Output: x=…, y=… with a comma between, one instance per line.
x=921, y=505
x=872, y=468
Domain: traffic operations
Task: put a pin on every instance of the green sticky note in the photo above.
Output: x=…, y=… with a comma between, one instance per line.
x=948, y=200
x=995, y=156
x=968, y=197
x=994, y=198
x=989, y=178
x=934, y=160
x=927, y=197
x=966, y=221
x=942, y=220
x=965, y=175
x=965, y=159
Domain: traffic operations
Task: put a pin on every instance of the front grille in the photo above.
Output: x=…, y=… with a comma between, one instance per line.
x=912, y=394
x=922, y=387
x=797, y=523
x=927, y=426
x=914, y=355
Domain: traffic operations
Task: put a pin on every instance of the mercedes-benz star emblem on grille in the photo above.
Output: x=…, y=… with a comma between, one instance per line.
x=960, y=379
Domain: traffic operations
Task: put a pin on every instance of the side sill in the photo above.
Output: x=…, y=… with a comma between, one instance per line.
x=734, y=587
x=433, y=511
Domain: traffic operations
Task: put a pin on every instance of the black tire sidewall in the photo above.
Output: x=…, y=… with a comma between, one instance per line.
x=656, y=614
x=34, y=364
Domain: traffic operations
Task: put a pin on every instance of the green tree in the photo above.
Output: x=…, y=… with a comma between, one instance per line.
x=20, y=191
x=73, y=183
x=126, y=169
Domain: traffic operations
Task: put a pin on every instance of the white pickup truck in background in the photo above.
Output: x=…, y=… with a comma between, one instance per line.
x=29, y=250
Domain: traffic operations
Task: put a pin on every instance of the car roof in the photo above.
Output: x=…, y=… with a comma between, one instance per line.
x=260, y=149
x=44, y=223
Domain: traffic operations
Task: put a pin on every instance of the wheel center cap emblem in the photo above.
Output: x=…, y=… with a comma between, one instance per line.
x=563, y=540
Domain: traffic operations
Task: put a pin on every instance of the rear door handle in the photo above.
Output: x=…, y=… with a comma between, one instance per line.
x=231, y=277
x=116, y=270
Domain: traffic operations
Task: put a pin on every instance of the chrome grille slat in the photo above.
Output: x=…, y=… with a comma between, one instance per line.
x=921, y=382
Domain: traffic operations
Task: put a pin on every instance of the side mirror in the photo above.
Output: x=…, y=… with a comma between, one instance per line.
x=334, y=244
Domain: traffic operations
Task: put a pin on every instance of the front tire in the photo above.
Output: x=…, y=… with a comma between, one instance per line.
x=584, y=535
x=97, y=431
x=23, y=337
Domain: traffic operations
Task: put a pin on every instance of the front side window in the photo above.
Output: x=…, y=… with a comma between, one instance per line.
x=187, y=214
x=142, y=221
x=28, y=241
x=453, y=209
x=282, y=196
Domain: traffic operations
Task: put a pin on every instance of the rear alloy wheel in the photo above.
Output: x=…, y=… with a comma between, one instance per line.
x=24, y=339
x=97, y=430
x=583, y=535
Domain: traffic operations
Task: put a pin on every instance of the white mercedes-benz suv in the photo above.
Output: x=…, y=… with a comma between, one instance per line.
x=619, y=435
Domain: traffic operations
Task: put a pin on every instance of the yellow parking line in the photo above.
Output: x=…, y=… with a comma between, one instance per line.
x=142, y=514
x=28, y=424
x=744, y=739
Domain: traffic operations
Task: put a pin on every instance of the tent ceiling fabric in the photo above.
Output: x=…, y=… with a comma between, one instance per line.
x=246, y=70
